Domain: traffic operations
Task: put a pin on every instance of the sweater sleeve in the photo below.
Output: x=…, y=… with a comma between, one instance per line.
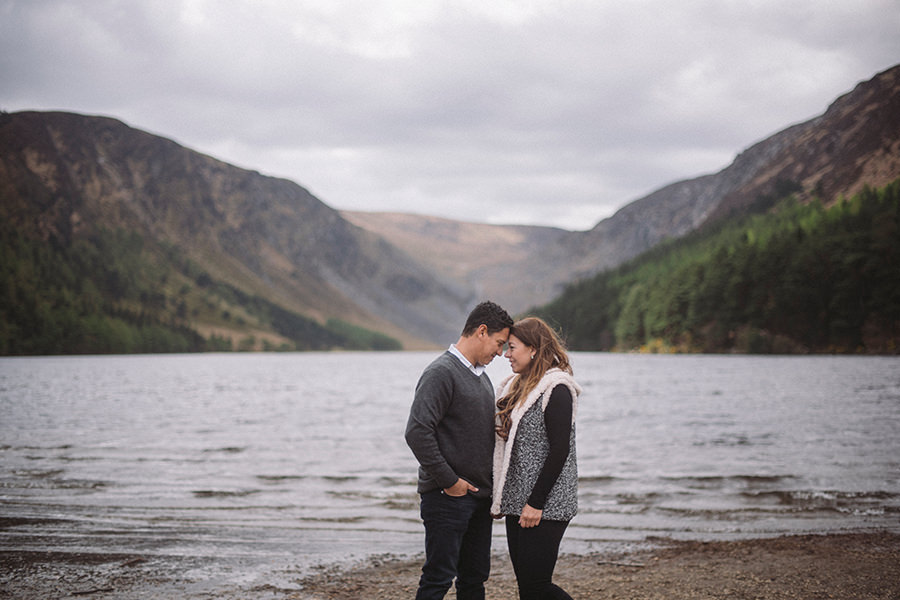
x=432, y=398
x=558, y=421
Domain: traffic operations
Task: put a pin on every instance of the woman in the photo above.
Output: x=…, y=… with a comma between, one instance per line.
x=535, y=473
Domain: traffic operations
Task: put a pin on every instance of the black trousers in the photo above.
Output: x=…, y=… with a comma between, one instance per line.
x=457, y=545
x=533, y=552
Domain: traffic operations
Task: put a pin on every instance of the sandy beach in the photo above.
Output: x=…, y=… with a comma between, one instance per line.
x=807, y=567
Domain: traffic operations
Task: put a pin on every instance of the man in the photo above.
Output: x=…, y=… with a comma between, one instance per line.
x=451, y=432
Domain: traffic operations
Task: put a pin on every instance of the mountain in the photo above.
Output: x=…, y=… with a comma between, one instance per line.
x=804, y=278
x=855, y=143
x=67, y=178
x=111, y=233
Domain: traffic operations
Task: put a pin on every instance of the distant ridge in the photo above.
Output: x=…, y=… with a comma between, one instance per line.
x=855, y=143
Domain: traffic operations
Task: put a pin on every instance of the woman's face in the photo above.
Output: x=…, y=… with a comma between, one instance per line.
x=519, y=355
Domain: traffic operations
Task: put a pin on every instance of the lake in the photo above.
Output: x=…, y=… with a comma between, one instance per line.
x=240, y=466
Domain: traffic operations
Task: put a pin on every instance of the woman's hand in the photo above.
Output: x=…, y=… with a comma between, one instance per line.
x=530, y=517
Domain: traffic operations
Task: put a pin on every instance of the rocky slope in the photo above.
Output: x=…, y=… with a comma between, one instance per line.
x=63, y=176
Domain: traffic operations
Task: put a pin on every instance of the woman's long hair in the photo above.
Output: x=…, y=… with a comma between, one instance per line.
x=549, y=352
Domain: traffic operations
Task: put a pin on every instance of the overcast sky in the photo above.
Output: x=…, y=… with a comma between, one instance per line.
x=531, y=112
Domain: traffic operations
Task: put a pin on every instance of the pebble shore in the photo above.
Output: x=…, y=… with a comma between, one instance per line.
x=852, y=566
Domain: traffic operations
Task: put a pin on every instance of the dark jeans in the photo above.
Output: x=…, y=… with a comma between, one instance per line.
x=533, y=552
x=457, y=545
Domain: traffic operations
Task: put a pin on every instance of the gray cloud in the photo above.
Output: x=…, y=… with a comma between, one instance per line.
x=554, y=112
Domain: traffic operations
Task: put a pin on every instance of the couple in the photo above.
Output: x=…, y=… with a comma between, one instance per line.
x=522, y=440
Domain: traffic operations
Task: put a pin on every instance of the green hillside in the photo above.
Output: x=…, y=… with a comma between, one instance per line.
x=112, y=291
x=801, y=278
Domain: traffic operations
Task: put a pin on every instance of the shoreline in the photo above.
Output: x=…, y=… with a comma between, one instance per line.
x=797, y=567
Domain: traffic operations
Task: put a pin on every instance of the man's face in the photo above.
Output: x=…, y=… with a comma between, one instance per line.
x=491, y=344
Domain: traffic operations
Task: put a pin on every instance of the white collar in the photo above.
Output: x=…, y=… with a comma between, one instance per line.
x=476, y=369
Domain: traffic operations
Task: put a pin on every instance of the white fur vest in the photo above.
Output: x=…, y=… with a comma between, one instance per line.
x=562, y=502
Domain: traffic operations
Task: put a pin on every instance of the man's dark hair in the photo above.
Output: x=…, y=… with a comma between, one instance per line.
x=490, y=314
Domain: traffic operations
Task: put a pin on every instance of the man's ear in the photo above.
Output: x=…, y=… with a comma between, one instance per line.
x=482, y=329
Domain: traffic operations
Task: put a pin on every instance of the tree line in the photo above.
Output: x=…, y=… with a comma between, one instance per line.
x=801, y=278
x=110, y=291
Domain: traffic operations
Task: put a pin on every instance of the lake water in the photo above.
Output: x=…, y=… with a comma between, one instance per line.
x=241, y=466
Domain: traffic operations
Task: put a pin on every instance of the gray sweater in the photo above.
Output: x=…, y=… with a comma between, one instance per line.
x=451, y=426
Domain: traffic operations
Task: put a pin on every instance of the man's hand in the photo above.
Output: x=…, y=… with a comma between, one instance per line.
x=460, y=488
x=530, y=517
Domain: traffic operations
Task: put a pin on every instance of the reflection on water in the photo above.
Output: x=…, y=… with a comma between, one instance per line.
x=299, y=458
